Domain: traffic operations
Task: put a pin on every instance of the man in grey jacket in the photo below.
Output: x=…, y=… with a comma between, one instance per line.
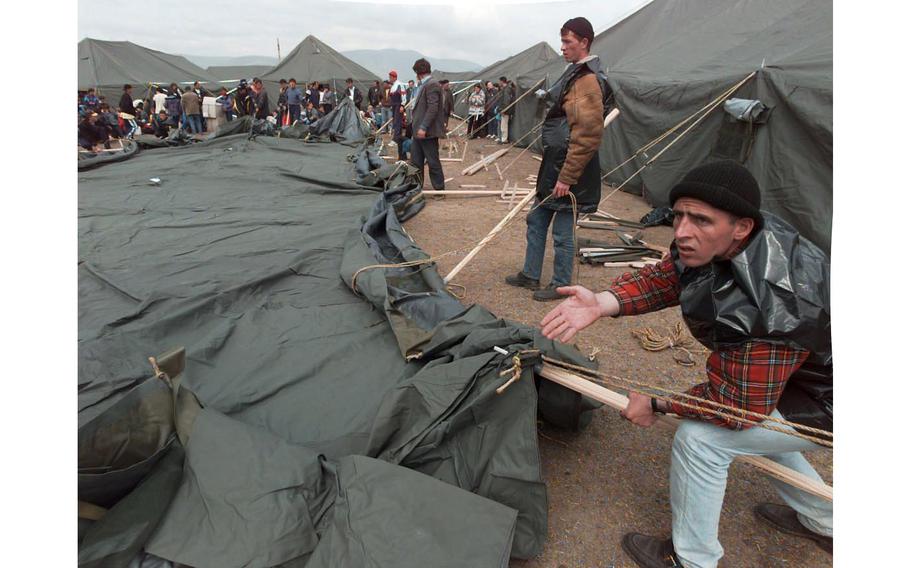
x=428, y=122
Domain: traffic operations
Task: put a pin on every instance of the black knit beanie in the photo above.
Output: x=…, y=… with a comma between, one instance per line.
x=726, y=185
x=580, y=27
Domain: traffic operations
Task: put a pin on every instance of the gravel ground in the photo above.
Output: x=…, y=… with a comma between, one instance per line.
x=612, y=477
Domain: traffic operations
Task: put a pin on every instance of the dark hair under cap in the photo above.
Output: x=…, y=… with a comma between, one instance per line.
x=580, y=27
x=726, y=184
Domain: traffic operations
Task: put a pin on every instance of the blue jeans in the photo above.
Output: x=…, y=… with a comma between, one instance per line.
x=386, y=113
x=194, y=123
x=563, y=244
x=702, y=453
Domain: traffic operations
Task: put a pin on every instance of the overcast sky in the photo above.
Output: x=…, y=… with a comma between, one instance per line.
x=482, y=32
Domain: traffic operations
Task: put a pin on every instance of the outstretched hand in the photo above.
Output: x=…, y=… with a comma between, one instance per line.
x=579, y=310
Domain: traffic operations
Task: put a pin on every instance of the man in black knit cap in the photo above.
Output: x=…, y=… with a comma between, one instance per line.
x=756, y=294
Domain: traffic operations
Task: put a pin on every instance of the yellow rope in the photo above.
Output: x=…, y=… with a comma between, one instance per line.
x=650, y=340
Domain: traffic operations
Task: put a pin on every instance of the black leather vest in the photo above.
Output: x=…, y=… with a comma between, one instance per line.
x=776, y=290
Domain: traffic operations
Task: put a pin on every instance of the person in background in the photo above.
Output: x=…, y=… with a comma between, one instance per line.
x=353, y=93
x=282, y=110
x=260, y=100
x=108, y=120
x=373, y=95
x=448, y=100
x=506, y=98
x=192, y=108
x=243, y=100
x=313, y=93
x=172, y=105
x=201, y=92
x=311, y=114
x=160, y=124
x=491, y=108
x=92, y=134
x=427, y=121
x=158, y=100
x=475, y=111
x=398, y=93
x=226, y=104
x=409, y=92
x=91, y=102
x=127, y=111
x=329, y=100
x=142, y=117
x=294, y=101
x=402, y=136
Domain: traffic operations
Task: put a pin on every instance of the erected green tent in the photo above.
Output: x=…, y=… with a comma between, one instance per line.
x=314, y=60
x=672, y=57
x=523, y=62
x=228, y=75
x=108, y=65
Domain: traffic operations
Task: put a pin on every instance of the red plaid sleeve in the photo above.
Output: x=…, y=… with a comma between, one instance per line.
x=750, y=376
x=650, y=289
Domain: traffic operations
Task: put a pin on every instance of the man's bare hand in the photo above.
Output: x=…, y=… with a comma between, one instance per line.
x=572, y=315
x=638, y=411
x=421, y=133
x=561, y=190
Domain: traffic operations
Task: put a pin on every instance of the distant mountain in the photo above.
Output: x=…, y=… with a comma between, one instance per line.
x=380, y=61
x=219, y=61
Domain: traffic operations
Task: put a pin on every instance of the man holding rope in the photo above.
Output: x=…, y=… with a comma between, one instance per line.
x=571, y=137
x=755, y=293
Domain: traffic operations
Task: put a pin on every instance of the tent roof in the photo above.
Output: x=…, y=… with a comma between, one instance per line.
x=453, y=75
x=314, y=60
x=687, y=40
x=534, y=57
x=110, y=64
x=237, y=72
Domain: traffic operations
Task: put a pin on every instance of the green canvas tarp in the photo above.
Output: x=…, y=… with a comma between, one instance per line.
x=672, y=57
x=108, y=65
x=306, y=436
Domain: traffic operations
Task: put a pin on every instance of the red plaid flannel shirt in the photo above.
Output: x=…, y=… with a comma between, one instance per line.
x=750, y=376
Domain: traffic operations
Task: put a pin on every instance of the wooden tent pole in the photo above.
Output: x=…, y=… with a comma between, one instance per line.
x=505, y=221
x=619, y=402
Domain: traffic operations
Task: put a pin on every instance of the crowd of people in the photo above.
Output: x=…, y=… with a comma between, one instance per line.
x=387, y=106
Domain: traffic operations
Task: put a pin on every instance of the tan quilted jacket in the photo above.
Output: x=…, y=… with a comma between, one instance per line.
x=584, y=109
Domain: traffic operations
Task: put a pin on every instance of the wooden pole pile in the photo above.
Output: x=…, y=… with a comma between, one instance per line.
x=483, y=163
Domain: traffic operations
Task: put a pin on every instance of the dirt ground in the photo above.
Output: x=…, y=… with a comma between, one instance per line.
x=612, y=477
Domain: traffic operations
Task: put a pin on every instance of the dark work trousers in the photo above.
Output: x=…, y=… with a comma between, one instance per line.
x=396, y=120
x=294, y=111
x=427, y=150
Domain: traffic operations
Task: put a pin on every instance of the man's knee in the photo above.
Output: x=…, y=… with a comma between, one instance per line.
x=693, y=442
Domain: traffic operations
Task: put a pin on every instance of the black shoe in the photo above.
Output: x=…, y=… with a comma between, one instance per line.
x=521, y=281
x=548, y=294
x=650, y=552
x=784, y=519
